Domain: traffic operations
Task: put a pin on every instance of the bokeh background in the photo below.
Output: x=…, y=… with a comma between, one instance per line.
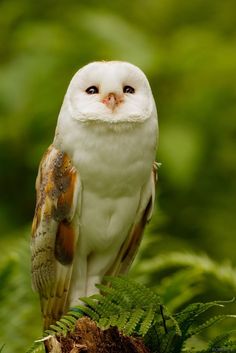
x=187, y=49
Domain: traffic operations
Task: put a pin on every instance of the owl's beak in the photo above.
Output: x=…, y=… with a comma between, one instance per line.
x=112, y=100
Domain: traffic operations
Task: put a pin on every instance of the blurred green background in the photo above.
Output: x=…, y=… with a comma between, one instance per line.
x=187, y=49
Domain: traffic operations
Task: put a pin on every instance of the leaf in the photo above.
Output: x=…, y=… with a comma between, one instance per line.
x=134, y=319
x=147, y=322
x=207, y=324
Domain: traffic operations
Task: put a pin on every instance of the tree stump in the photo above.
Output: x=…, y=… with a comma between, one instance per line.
x=88, y=338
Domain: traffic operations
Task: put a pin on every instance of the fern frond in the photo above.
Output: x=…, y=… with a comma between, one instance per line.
x=123, y=318
x=189, y=314
x=223, y=272
x=134, y=319
x=63, y=327
x=221, y=340
x=55, y=328
x=152, y=339
x=113, y=320
x=70, y=318
x=114, y=295
x=89, y=301
x=86, y=311
x=207, y=324
x=66, y=320
x=141, y=295
x=147, y=322
x=104, y=323
x=106, y=307
x=77, y=311
x=180, y=288
x=37, y=347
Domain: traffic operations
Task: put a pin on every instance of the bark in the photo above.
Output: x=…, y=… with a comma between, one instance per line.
x=88, y=338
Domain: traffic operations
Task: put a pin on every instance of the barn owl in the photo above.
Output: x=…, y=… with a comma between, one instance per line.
x=95, y=187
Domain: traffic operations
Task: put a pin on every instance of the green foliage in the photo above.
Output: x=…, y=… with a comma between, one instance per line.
x=187, y=49
x=204, y=265
x=222, y=343
x=190, y=277
x=137, y=310
x=16, y=296
x=37, y=347
x=125, y=304
x=179, y=277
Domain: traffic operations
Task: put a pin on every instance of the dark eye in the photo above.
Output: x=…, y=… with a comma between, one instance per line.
x=128, y=89
x=92, y=90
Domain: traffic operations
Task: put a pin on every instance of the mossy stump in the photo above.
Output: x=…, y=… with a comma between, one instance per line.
x=88, y=338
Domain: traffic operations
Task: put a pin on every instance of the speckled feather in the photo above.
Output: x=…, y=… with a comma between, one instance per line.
x=54, y=235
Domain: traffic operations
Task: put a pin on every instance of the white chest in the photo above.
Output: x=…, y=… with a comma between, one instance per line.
x=113, y=166
x=113, y=162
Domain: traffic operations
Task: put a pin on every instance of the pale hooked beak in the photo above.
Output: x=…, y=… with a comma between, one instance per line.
x=112, y=100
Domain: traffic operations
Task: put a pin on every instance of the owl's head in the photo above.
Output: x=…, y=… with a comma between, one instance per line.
x=109, y=92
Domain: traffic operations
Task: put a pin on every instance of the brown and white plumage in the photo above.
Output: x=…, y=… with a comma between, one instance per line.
x=54, y=234
x=95, y=186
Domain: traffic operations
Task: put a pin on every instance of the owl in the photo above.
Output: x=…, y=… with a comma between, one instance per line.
x=95, y=187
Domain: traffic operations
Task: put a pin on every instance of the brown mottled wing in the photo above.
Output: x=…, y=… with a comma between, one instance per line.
x=130, y=246
x=54, y=232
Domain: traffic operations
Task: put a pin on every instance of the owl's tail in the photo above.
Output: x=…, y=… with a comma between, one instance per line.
x=55, y=303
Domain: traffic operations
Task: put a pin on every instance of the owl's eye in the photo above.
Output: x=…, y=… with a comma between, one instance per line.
x=128, y=89
x=92, y=90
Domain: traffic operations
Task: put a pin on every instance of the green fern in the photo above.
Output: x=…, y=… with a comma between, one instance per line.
x=207, y=324
x=125, y=304
x=37, y=347
x=222, y=343
x=187, y=320
x=202, y=264
x=137, y=310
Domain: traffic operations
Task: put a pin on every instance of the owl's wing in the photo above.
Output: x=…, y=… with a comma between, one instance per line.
x=54, y=232
x=131, y=244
